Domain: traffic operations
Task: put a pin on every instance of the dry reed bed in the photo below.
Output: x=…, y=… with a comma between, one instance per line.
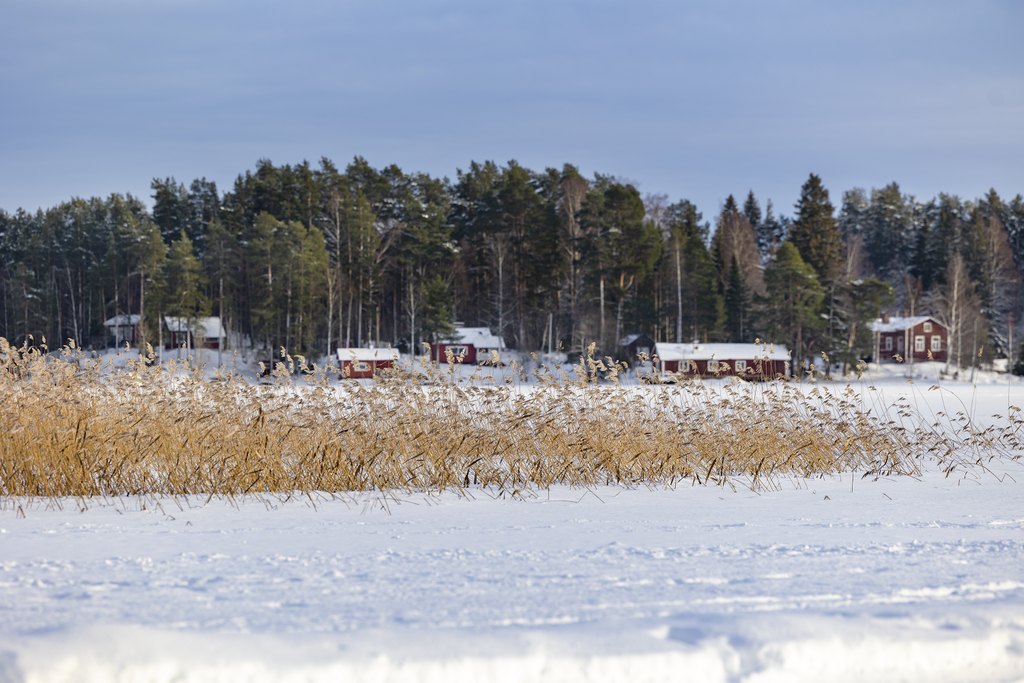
x=75, y=428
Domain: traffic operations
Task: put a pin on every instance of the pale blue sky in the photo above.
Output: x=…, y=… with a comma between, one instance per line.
x=692, y=99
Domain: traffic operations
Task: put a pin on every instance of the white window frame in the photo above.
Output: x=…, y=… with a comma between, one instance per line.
x=919, y=343
x=936, y=343
x=740, y=366
x=927, y=327
x=888, y=343
x=712, y=365
x=360, y=366
x=457, y=349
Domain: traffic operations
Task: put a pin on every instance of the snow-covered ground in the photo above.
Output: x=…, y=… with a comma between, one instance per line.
x=839, y=579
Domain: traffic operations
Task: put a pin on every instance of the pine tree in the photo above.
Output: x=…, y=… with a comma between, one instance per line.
x=622, y=250
x=435, y=318
x=698, y=304
x=770, y=233
x=853, y=215
x=792, y=302
x=184, y=277
x=888, y=231
x=863, y=300
x=737, y=303
x=171, y=208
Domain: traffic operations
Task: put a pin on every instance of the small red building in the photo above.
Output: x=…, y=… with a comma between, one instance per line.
x=749, y=361
x=910, y=339
x=472, y=344
x=365, y=363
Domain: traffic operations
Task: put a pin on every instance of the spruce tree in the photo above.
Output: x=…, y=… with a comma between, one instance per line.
x=752, y=210
x=815, y=233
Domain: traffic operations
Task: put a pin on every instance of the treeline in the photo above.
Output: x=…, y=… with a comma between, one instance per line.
x=311, y=258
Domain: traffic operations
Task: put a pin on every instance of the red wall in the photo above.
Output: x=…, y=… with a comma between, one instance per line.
x=439, y=352
x=347, y=370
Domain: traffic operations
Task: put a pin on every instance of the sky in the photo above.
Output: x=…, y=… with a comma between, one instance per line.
x=695, y=100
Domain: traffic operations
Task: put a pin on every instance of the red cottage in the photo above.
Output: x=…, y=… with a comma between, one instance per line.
x=749, y=361
x=472, y=344
x=365, y=363
x=914, y=340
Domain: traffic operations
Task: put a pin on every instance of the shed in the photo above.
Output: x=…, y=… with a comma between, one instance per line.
x=749, y=361
x=124, y=329
x=203, y=333
x=472, y=344
x=364, y=363
x=910, y=339
x=633, y=347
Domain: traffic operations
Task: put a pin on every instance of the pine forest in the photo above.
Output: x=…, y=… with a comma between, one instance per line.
x=313, y=258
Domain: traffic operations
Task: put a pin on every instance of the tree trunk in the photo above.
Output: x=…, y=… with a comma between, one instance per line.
x=679, y=294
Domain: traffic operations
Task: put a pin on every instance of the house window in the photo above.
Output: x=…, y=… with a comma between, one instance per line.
x=936, y=342
x=927, y=327
x=888, y=343
x=741, y=367
x=360, y=366
x=712, y=365
x=919, y=344
x=457, y=350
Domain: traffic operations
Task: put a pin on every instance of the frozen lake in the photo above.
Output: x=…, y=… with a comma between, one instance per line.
x=841, y=579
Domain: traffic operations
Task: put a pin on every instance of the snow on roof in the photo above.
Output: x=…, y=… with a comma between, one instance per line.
x=726, y=352
x=122, y=320
x=480, y=337
x=367, y=354
x=898, y=323
x=629, y=339
x=209, y=326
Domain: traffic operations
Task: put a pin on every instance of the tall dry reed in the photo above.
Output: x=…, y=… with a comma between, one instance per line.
x=76, y=427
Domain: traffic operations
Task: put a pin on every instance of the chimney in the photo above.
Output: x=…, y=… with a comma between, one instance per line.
x=885, y=318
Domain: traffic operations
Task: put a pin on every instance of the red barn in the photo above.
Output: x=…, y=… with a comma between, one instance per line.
x=749, y=361
x=365, y=363
x=472, y=344
x=914, y=339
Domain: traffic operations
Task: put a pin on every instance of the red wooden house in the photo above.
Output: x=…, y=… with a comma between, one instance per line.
x=910, y=339
x=472, y=344
x=365, y=363
x=749, y=361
